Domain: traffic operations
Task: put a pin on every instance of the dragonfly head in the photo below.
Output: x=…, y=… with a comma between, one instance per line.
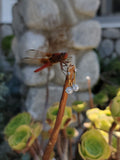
x=65, y=55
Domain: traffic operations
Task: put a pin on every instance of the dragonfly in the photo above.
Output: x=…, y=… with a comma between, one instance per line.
x=47, y=61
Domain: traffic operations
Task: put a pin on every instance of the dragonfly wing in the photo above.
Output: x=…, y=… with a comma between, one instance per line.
x=30, y=61
x=35, y=53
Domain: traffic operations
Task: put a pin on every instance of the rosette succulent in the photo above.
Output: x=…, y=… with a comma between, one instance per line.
x=93, y=146
x=21, y=132
x=15, y=122
x=115, y=109
x=101, y=98
x=67, y=118
x=79, y=106
x=71, y=132
x=102, y=119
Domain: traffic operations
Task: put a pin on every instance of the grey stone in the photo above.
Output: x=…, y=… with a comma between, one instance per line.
x=30, y=78
x=15, y=49
x=112, y=33
x=114, y=55
x=17, y=23
x=4, y=149
x=35, y=101
x=106, y=48
x=86, y=35
x=4, y=64
x=67, y=13
x=29, y=40
x=39, y=14
x=88, y=65
x=86, y=7
x=6, y=30
x=117, y=46
x=83, y=96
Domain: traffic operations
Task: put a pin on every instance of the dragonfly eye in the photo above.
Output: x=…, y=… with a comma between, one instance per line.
x=65, y=55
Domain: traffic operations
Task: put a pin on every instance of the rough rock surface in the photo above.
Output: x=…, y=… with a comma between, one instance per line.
x=86, y=35
x=117, y=46
x=106, y=47
x=112, y=33
x=39, y=14
x=6, y=30
x=30, y=78
x=29, y=40
x=86, y=7
x=88, y=66
x=18, y=23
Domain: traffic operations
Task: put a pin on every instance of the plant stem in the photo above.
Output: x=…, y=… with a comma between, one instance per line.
x=45, y=106
x=55, y=132
x=70, y=149
x=47, y=97
x=64, y=145
x=59, y=149
x=33, y=153
x=110, y=132
x=118, y=148
x=90, y=92
x=78, y=118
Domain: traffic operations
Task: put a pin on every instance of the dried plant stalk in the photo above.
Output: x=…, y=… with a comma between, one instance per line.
x=56, y=129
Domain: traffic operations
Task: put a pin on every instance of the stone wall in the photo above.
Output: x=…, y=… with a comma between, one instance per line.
x=33, y=21
x=109, y=47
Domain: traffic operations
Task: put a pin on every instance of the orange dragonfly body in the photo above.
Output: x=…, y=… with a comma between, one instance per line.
x=47, y=61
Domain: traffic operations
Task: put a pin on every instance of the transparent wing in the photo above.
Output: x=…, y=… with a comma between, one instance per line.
x=30, y=61
x=34, y=61
x=32, y=53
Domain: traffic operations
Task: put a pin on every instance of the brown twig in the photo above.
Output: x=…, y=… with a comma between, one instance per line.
x=33, y=153
x=110, y=132
x=47, y=97
x=70, y=149
x=45, y=106
x=64, y=145
x=90, y=92
x=118, y=148
x=55, y=132
x=59, y=149
x=78, y=118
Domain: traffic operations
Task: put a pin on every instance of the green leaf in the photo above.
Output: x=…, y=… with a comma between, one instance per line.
x=79, y=106
x=115, y=109
x=6, y=43
x=93, y=146
x=52, y=114
x=100, y=98
x=18, y=140
x=15, y=122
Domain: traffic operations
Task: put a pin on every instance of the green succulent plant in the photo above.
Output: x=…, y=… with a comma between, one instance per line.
x=93, y=146
x=21, y=119
x=6, y=43
x=71, y=132
x=110, y=90
x=115, y=109
x=18, y=140
x=67, y=118
x=21, y=132
x=101, y=98
x=79, y=106
x=114, y=139
x=102, y=119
